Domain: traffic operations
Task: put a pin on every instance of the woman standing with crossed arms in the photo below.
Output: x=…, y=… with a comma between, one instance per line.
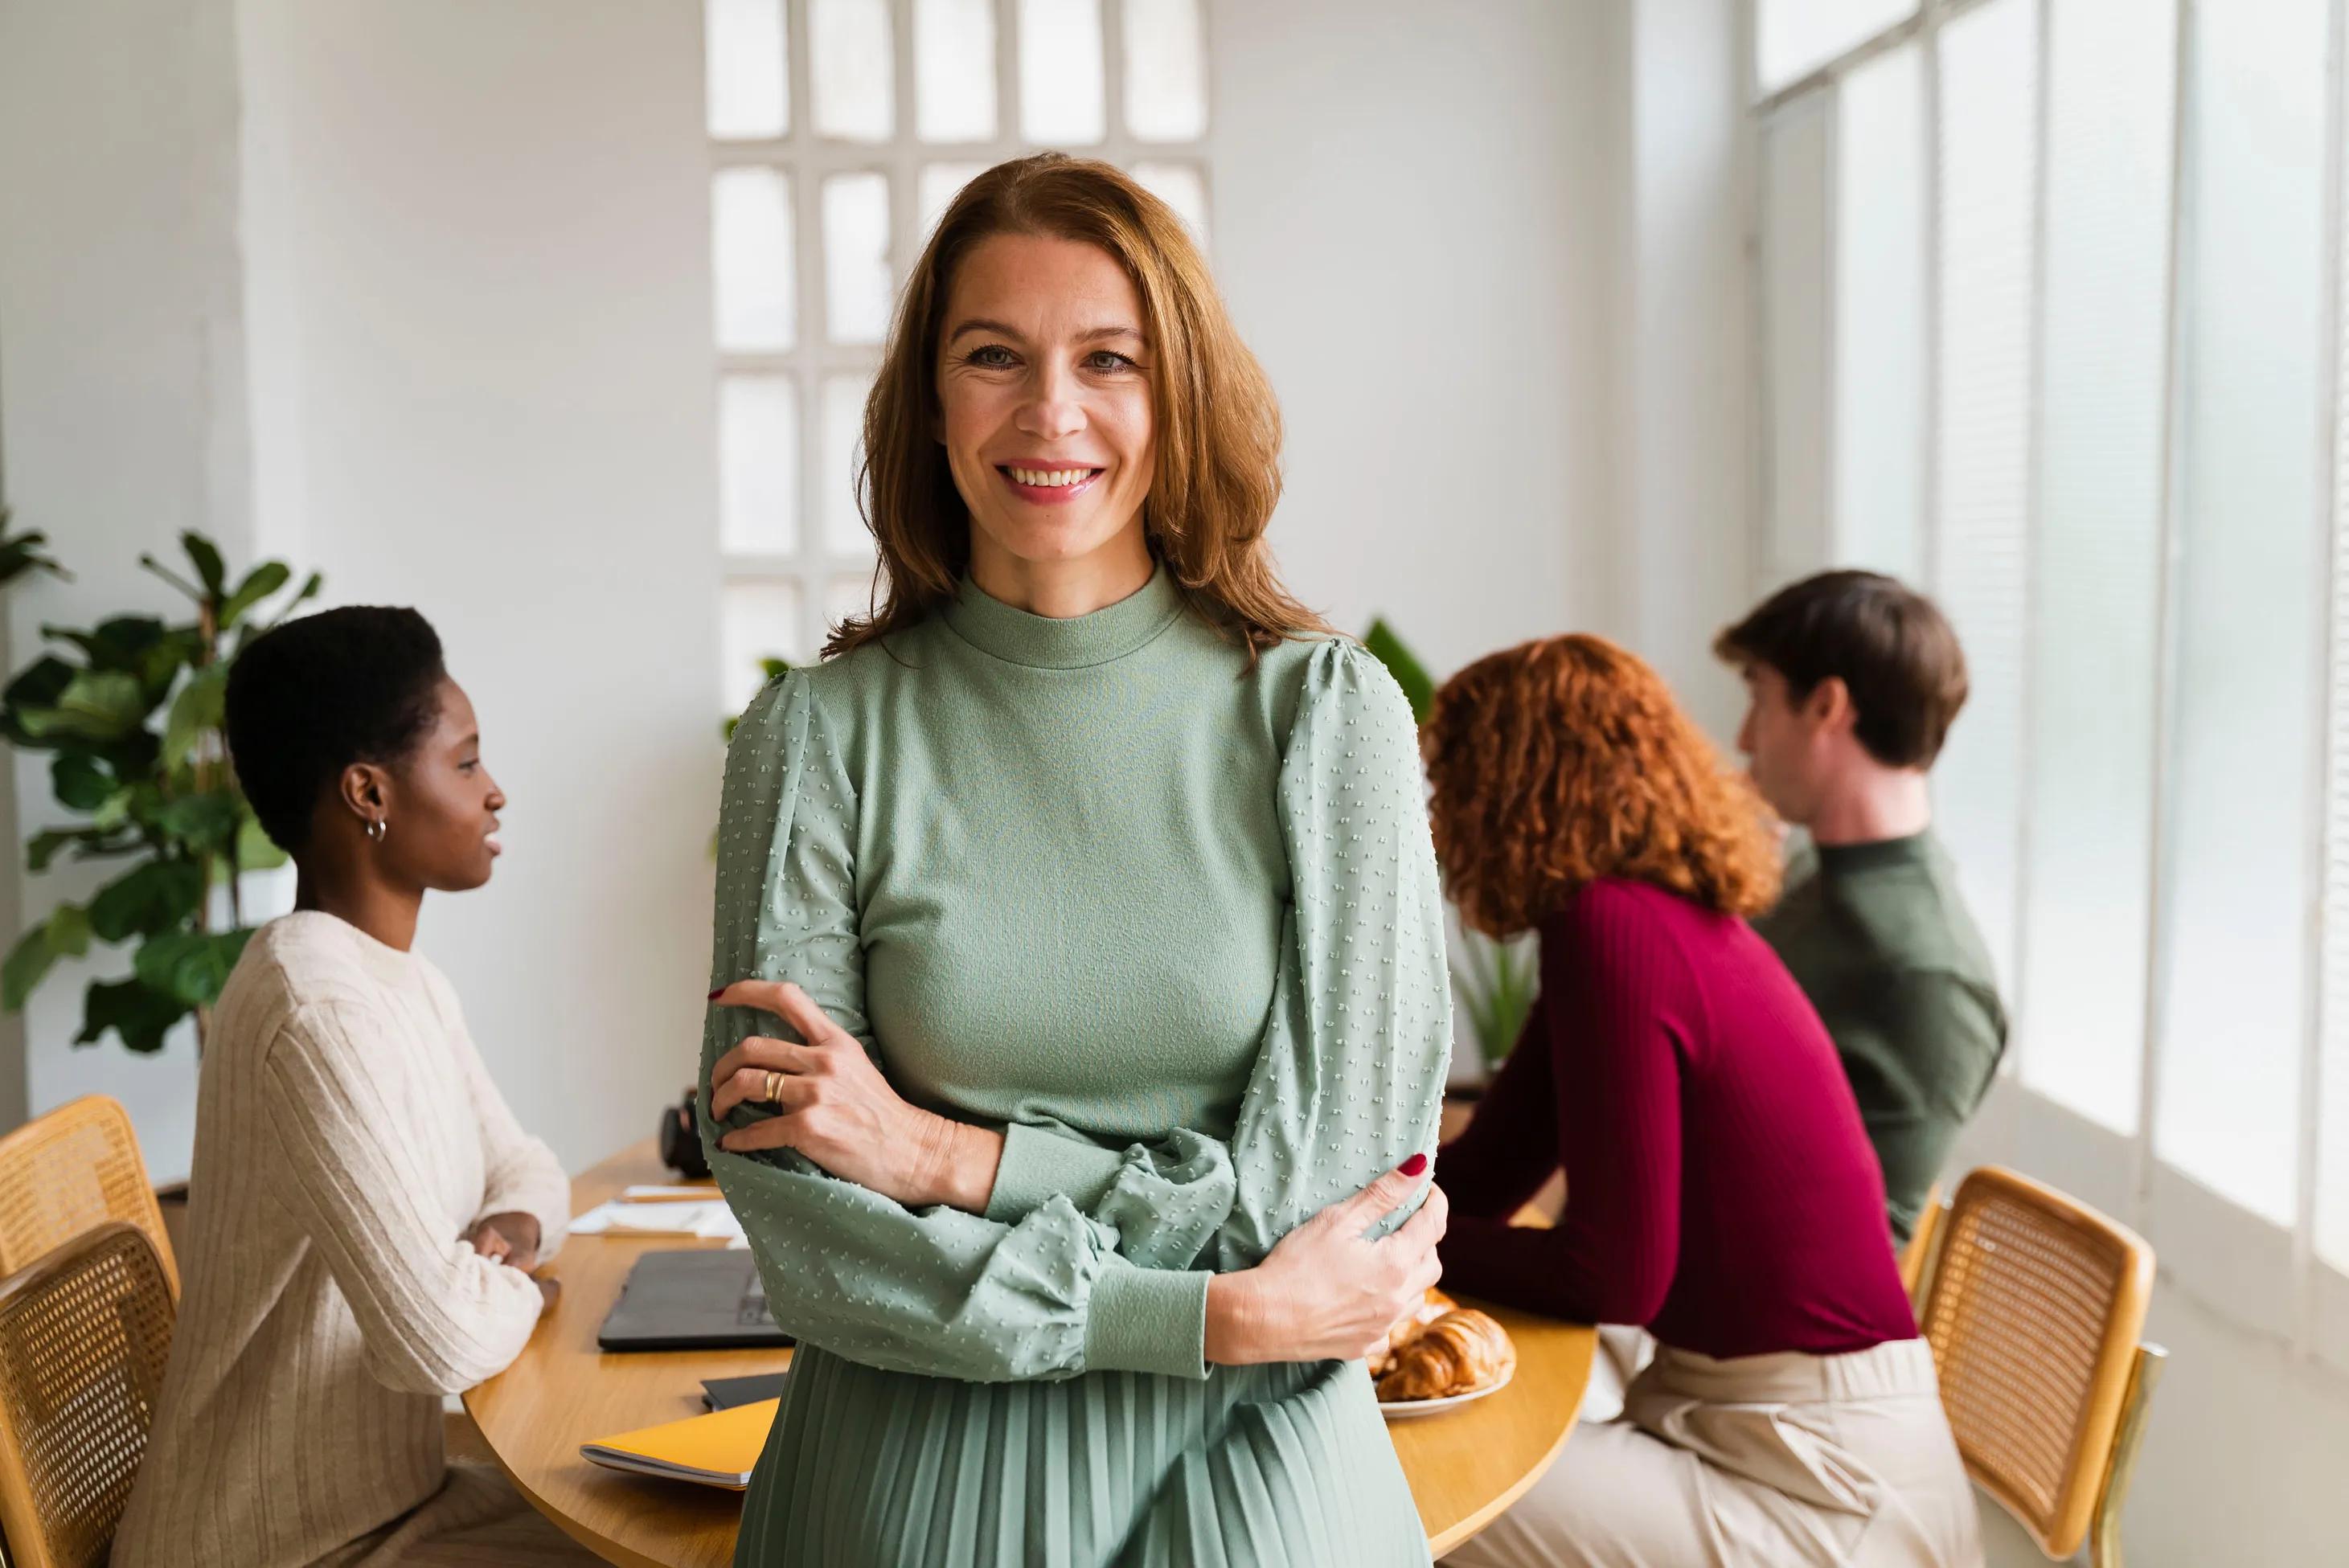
x=1091, y=874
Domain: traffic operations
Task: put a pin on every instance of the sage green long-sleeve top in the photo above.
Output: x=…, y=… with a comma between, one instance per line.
x=1171, y=921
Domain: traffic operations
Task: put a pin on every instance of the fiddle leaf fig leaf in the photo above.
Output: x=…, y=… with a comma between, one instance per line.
x=89, y=844
x=96, y=704
x=202, y=705
x=120, y=643
x=190, y=966
x=26, y=552
x=27, y=964
x=206, y=823
x=147, y=898
x=81, y=780
x=259, y=583
x=140, y=1017
x=206, y=555
x=64, y=934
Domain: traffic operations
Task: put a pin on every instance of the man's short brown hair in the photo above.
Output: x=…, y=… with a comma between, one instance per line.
x=1891, y=646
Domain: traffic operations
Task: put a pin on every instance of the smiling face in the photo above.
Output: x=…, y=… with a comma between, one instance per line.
x=1045, y=406
x=439, y=804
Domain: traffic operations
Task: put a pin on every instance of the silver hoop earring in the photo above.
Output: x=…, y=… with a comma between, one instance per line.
x=377, y=828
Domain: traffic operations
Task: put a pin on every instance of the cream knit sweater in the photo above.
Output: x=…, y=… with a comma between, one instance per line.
x=346, y=1134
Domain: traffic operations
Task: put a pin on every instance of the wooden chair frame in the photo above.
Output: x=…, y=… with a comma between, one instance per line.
x=28, y=1155
x=2105, y=1534
x=2131, y=1372
x=37, y=1370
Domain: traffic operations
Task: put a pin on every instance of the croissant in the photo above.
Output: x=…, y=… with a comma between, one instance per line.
x=1408, y=1327
x=1457, y=1354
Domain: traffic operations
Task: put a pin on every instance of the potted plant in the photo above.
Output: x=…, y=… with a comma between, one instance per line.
x=130, y=712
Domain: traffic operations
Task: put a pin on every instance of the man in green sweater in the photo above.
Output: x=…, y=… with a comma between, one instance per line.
x=1854, y=680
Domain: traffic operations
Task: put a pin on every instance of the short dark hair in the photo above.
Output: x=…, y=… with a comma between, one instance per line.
x=1891, y=647
x=308, y=698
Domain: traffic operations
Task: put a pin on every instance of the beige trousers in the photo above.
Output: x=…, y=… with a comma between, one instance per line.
x=1822, y=1462
x=1621, y=1354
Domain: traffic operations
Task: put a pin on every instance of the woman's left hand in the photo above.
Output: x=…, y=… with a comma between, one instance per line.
x=833, y=1106
x=511, y=1237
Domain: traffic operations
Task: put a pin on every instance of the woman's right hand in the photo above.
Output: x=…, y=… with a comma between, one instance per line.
x=1326, y=1292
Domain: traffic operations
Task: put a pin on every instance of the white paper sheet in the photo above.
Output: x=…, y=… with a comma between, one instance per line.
x=711, y=1220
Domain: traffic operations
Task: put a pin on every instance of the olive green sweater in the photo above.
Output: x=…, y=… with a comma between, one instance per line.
x=1879, y=939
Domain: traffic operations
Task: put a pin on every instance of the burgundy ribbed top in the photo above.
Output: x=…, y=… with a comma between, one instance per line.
x=1720, y=1188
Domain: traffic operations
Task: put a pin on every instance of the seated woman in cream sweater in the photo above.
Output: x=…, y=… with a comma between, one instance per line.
x=363, y=1210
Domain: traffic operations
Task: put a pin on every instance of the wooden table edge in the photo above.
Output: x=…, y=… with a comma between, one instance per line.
x=601, y=1546
x=1452, y=1536
x=600, y=1186
x=1460, y=1533
x=1461, y=1530
x=1466, y=1530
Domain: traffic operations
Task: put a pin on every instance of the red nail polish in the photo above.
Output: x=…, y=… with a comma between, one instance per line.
x=719, y=992
x=1414, y=1165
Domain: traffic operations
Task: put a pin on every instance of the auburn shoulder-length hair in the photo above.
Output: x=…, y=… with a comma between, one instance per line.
x=1217, y=425
x=1561, y=761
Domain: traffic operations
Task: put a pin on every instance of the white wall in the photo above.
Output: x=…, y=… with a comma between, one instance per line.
x=472, y=239
x=1686, y=365
x=1490, y=256
x=1398, y=223
x=122, y=392
x=482, y=386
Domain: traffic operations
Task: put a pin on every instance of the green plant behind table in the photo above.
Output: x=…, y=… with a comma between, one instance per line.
x=1418, y=687
x=1497, y=989
x=1495, y=981
x=130, y=712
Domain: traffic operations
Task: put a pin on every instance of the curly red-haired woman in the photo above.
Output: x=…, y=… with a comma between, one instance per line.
x=1721, y=1192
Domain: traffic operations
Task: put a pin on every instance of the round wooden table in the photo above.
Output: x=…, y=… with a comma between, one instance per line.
x=1464, y=1466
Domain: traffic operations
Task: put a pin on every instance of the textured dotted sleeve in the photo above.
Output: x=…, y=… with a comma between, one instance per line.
x=1348, y=1079
x=937, y=1291
x=1351, y=1083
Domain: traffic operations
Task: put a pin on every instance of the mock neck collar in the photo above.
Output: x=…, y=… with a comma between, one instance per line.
x=1112, y=631
x=1910, y=849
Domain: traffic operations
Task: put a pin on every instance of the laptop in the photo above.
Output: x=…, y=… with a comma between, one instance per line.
x=695, y=1299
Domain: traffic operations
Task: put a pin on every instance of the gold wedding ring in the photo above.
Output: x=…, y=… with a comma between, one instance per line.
x=774, y=1094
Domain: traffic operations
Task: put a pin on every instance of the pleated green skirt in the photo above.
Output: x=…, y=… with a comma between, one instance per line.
x=1283, y=1465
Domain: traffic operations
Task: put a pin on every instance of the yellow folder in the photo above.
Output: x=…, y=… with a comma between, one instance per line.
x=716, y=1449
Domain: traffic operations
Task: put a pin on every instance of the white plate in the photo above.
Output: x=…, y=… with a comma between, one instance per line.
x=1404, y=1409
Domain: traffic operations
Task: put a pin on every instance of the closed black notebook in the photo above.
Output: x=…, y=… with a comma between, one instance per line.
x=725, y=1393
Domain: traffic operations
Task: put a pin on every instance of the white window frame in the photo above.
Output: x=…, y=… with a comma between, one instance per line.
x=807, y=160
x=2263, y=1276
